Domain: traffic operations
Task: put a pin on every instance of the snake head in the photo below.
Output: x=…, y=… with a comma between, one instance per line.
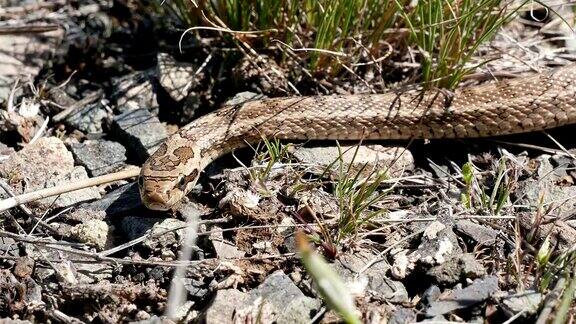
x=169, y=174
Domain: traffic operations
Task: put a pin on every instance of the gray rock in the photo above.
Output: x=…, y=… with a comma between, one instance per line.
x=544, y=167
x=483, y=235
x=9, y=247
x=140, y=131
x=288, y=303
x=99, y=156
x=530, y=191
x=177, y=78
x=70, y=198
x=431, y=294
x=46, y=163
x=118, y=201
x=439, y=242
x=44, y=159
x=528, y=302
x=135, y=91
x=560, y=234
x=165, y=234
x=152, y=320
x=223, y=248
x=561, y=164
x=33, y=293
x=479, y=291
x=22, y=56
x=136, y=226
x=60, y=97
x=365, y=159
x=244, y=97
x=196, y=287
x=224, y=305
x=185, y=313
x=88, y=118
x=439, y=170
x=402, y=316
x=82, y=215
x=460, y=266
x=5, y=151
x=377, y=285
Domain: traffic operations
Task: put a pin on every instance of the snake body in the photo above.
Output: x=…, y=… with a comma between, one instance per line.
x=537, y=102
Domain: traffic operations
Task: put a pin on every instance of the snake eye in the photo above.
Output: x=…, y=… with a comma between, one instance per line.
x=181, y=182
x=141, y=182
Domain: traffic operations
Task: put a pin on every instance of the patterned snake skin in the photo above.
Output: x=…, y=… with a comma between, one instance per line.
x=525, y=104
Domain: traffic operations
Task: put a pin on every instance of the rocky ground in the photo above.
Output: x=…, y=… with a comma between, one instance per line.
x=475, y=230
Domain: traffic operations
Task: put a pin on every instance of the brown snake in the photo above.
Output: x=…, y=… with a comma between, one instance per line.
x=526, y=104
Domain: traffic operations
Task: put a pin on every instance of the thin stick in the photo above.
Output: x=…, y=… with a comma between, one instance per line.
x=58, y=190
x=80, y=104
x=27, y=29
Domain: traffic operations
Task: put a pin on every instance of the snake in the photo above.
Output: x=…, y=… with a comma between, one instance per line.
x=534, y=102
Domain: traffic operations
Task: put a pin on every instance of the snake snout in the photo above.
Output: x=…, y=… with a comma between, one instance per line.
x=156, y=200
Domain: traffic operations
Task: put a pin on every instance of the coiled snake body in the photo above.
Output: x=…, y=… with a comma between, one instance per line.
x=537, y=102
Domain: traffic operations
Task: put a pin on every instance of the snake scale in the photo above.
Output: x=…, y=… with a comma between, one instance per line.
x=537, y=102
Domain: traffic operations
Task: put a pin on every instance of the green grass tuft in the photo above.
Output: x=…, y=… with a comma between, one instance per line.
x=448, y=34
x=357, y=191
x=475, y=196
x=445, y=33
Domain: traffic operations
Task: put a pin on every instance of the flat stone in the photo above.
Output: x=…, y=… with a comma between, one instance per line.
x=119, y=201
x=89, y=118
x=482, y=235
x=59, y=96
x=44, y=159
x=5, y=151
x=165, y=234
x=439, y=242
x=477, y=292
x=371, y=281
x=23, y=56
x=140, y=131
x=223, y=248
x=82, y=215
x=24, y=267
x=365, y=158
x=70, y=198
x=11, y=321
x=527, y=302
x=9, y=247
x=224, y=306
x=185, y=313
x=402, y=316
x=135, y=91
x=460, y=266
x=134, y=227
x=546, y=189
x=288, y=303
x=196, y=288
x=99, y=156
x=43, y=164
x=46, y=163
x=430, y=295
x=560, y=234
x=177, y=78
x=562, y=197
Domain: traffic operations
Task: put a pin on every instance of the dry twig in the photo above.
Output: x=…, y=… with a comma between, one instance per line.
x=58, y=190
